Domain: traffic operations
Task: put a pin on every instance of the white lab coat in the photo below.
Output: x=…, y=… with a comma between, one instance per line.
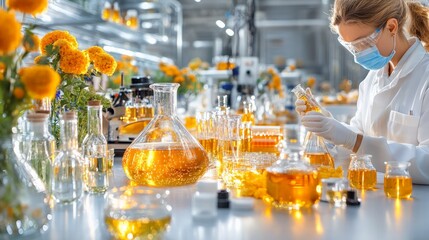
x=393, y=114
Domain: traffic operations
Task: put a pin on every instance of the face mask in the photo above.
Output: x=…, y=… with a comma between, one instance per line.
x=371, y=58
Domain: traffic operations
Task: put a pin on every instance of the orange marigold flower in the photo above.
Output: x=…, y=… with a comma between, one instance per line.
x=64, y=47
x=40, y=81
x=179, y=79
x=105, y=63
x=127, y=58
x=10, y=29
x=18, y=92
x=32, y=43
x=53, y=36
x=175, y=70
x=192, y=77
x=75, y=62
x=2, y=68
x=32, y=7
x=94, y=52
x=117, y=80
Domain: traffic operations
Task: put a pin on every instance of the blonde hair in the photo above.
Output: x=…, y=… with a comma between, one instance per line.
x=377, y=12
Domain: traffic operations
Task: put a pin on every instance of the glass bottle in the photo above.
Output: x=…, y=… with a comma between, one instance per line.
x=316, y=152
x=95, y=152
x=107, y=13
x=130, y=108
x=116, y=15
x=131, y=19
x=39, y=146
x=361, y=173
x=397, y=180
x=67, y=180
x=165, y=153
x=300, y=93
x=292, y=183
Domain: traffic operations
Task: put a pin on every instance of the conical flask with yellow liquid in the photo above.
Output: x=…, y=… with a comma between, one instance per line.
x=165, y=153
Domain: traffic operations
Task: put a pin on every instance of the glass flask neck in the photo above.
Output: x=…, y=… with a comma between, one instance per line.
x=94, y=120
x=165, y=98
x=69, y=134
x=38, y=128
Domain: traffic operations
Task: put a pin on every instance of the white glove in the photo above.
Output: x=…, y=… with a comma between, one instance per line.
x=329, y=128
x=300, y=106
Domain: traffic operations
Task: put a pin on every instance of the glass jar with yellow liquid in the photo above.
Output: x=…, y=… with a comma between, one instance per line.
x=292, y=183
x=137, y=213
x=316, y=152
x=107, y=12
x=361, y=173
x=165, y=153
x=397, y=180
x=132, y=19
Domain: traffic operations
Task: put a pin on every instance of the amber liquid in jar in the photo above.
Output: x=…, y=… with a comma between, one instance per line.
x=145, y=112
x=164, y=164
x=106, y=14
x=208, y=144
x=293, y=189
x=137, y=228
x=130, y=114
x=362, y=178
x=320, y=159
x=132, y=22
x=398, y=187
x=265, y=143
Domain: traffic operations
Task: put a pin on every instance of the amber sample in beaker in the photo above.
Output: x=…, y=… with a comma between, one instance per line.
x=362, y=178
x=320, y=159
x=398, y=187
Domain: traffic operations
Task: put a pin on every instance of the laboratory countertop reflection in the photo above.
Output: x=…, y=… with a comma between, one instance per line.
x=377, y=218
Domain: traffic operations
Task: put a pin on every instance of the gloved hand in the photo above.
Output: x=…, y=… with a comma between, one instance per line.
x=300, y=106
x=329, y=128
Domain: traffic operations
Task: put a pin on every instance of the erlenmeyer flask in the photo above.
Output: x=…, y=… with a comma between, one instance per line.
x=165, y=153
x=316, y=152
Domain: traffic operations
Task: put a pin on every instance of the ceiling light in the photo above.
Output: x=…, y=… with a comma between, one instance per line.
x=229, y=32
x=220, y=24
x=197, y=0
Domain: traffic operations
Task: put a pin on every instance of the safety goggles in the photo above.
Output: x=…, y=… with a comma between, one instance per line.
x=361, y=44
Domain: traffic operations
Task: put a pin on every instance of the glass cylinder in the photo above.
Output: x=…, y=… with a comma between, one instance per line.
x=39, y=146
x=95, y=152
x=116, y=14
x=292, y=183
x=132, y=19
x=137, y=213
x=397, y=180
x=206, y=134
x=107, y=12
x=300, y=93
x=165, y=153
x=361, y=173
x=67, y=181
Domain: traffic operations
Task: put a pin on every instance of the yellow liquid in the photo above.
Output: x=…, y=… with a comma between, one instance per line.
x=191, y=122
x=116, y=16
x=310, y=107
x=157, y=165
x=142, y=228
x=132, y=22
x=130, y=114
x=320, y=159
x=398, y=187
x=248, y=117
x=208, y=144
x=265, y=143
x=106, y=14
x=294, y=189
x=362, y=178
x=246, y=139
x=145, y=112
x=336, y=196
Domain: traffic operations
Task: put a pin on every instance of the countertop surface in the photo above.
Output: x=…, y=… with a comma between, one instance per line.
x=377, y=217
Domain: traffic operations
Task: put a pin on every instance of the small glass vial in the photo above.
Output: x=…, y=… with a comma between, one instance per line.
x=361, y=173
x=67, y=180
x=95, y=151
x=39, y=145
x=397, y=180
x=131, y=19
x=107, y=12
x=116, y=15
x=300, y=93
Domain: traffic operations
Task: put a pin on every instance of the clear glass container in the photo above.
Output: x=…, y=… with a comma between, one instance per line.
x=137, y=213
x=95, y=151
x=316, y=152
x=39, y=146
x=165, y=153
x=397, y=180
x=68, y=170
x=107, y=12
x=116, y=13
x=292, y=183
x=361, y=173
x=300, y=93
x=132, y=19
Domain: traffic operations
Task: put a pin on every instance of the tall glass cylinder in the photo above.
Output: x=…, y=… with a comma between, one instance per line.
x=165, y=153
x=95, y=152
x=67, y=181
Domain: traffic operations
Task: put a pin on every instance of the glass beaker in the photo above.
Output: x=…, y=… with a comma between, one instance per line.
x=137, y=213
x=292, y=183
x=361, y=173
x=300, y=93
x=316, y=152
x=397, y=180
x=206, y=134
x=165, y=153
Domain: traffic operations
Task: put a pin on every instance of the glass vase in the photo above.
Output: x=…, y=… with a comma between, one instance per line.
x=24, y=204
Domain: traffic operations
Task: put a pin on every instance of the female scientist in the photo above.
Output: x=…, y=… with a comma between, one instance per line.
x=392, y=118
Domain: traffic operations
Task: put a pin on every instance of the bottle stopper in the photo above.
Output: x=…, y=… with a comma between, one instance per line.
x=352, y=199
x=223, y=199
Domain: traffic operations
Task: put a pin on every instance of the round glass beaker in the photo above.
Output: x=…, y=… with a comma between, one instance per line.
x=361, y=173
x=137, y=213
x=397, y=180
